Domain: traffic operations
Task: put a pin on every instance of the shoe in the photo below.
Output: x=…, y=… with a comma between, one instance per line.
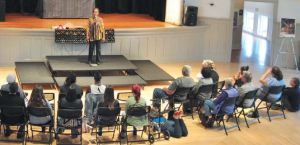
x=20, y=134
x=74, y=133
x=99, y=133
x=7, y=132
x=98, y=62
x=43, y=129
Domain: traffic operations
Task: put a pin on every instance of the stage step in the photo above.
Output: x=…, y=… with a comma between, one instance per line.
x=33, y=73
x=107, y=80
x=150, y=71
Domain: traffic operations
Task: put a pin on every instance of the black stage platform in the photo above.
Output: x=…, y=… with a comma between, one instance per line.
x=116, y=71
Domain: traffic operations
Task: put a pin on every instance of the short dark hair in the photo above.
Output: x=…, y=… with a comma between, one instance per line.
x=277, y=73
x=206, y=72
x=13, y=88
x=97, y=76
x=71, y=79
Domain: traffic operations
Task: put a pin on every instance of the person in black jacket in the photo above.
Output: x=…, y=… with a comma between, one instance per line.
x=71, y=101
x=70, y=81
x=291, y=96
x=9, y=99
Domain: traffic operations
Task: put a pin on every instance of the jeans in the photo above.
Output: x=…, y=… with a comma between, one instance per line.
x=208, y=106
x=158, y=95
x=91, y=105
x=92, y=45
x=176, y=128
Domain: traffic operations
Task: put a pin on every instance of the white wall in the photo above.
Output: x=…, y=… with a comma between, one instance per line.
x=260, y=8
x=221, y=8
x=289, y=9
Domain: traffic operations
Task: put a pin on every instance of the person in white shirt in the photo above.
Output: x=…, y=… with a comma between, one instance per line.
x=94, y=96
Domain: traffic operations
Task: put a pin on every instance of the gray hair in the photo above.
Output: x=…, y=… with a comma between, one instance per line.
x=186, y=70
x=228, y=83
x=247, y=76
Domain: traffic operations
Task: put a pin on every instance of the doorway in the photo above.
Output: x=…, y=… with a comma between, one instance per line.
x=255, y=34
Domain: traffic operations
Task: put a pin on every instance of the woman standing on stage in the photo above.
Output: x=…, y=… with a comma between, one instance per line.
x=95, y=33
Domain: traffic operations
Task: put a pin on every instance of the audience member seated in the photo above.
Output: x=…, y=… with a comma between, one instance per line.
x=205, y=79
x=136, y=101
x=11, y=79
x=272, y=77
x=210, y=64
x=167, y=93
x=176, y=126
x=111, y=103
x=239, y=75
x=213, y=106
x=37, y=99
x=291, y=96
x=94, y=96
x=70, y=80
x=247, y=86
x=10, y=100
x=71, y=101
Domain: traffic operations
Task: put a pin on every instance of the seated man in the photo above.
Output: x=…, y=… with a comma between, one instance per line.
x=11, y=79
x=94, y=96
x=291, y=96
x=246, y=87
x=214, y=106
x=182, y=82
x=13, y=99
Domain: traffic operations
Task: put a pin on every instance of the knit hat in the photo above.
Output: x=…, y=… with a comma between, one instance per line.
x=11, y=78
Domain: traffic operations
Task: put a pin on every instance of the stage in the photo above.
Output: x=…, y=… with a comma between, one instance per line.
x=110, y=20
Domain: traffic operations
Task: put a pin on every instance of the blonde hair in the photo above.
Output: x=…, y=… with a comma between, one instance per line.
x=207, y=63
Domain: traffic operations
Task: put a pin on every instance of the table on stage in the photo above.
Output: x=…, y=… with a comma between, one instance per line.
x=67, y=8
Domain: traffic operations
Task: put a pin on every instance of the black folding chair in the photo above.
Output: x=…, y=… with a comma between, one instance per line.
x=139, y=112
x=273, y=90
x=66, y=115
x=41, y=112
x=229, y=101
x=178, y=98
x=218, y=88
x=104, y=112
x=251, y=95
x=14, y=116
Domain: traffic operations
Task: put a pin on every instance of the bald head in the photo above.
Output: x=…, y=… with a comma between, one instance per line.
x=186, y=70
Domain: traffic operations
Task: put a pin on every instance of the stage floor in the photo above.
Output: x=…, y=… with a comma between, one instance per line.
x=110, y=20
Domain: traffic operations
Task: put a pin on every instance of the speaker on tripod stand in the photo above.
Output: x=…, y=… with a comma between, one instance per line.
x=191, y=16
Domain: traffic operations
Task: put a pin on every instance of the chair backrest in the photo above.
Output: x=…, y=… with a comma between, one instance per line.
x=206, y=89
x=13, y=114
x=229, y=101
x=138, y=111
x=39, y=111
x=182, y=92
x=70, y=113
x=276, y=89
x=220, y=85
x=123, y=96
x=251, y=94
x=108, y=112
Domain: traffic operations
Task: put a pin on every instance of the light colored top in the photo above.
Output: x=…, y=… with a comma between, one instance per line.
x=271, y=81
x=245, y=88
x=95, y=29
x=97, y=89
x=136, y=121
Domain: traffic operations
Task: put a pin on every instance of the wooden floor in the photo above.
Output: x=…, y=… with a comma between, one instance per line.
x=277, y=132
x=110, y=20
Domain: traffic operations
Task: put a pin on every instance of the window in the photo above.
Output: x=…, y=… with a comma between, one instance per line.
x=262, y=26
x=249, y=21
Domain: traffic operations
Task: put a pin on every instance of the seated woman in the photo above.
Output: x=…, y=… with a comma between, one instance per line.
x=94, y=96
x=111, y=103
x=238, y=77
x=205, y=79
x=272, y=77
x=176, y=126
x=70, y=81
x=37, y=99
x=136, y=101
x=213, y=107
x=291, y=96
x=71, y=101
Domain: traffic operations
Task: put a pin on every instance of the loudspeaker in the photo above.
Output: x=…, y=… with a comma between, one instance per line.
x=2, y=10
x=191, y=15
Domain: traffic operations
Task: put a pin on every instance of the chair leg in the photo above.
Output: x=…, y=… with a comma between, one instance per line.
x=245, y=118
x=268, y=112
x=225, y=129
x=282, y=110
x=114, y=132
x=237, y=122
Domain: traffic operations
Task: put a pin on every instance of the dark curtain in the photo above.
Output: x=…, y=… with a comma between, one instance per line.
x=14, y=6
x=155, y=8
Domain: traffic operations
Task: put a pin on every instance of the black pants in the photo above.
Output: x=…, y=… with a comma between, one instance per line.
x=96, y=43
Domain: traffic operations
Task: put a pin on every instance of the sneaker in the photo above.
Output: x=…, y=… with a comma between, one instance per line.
x=7, y=132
